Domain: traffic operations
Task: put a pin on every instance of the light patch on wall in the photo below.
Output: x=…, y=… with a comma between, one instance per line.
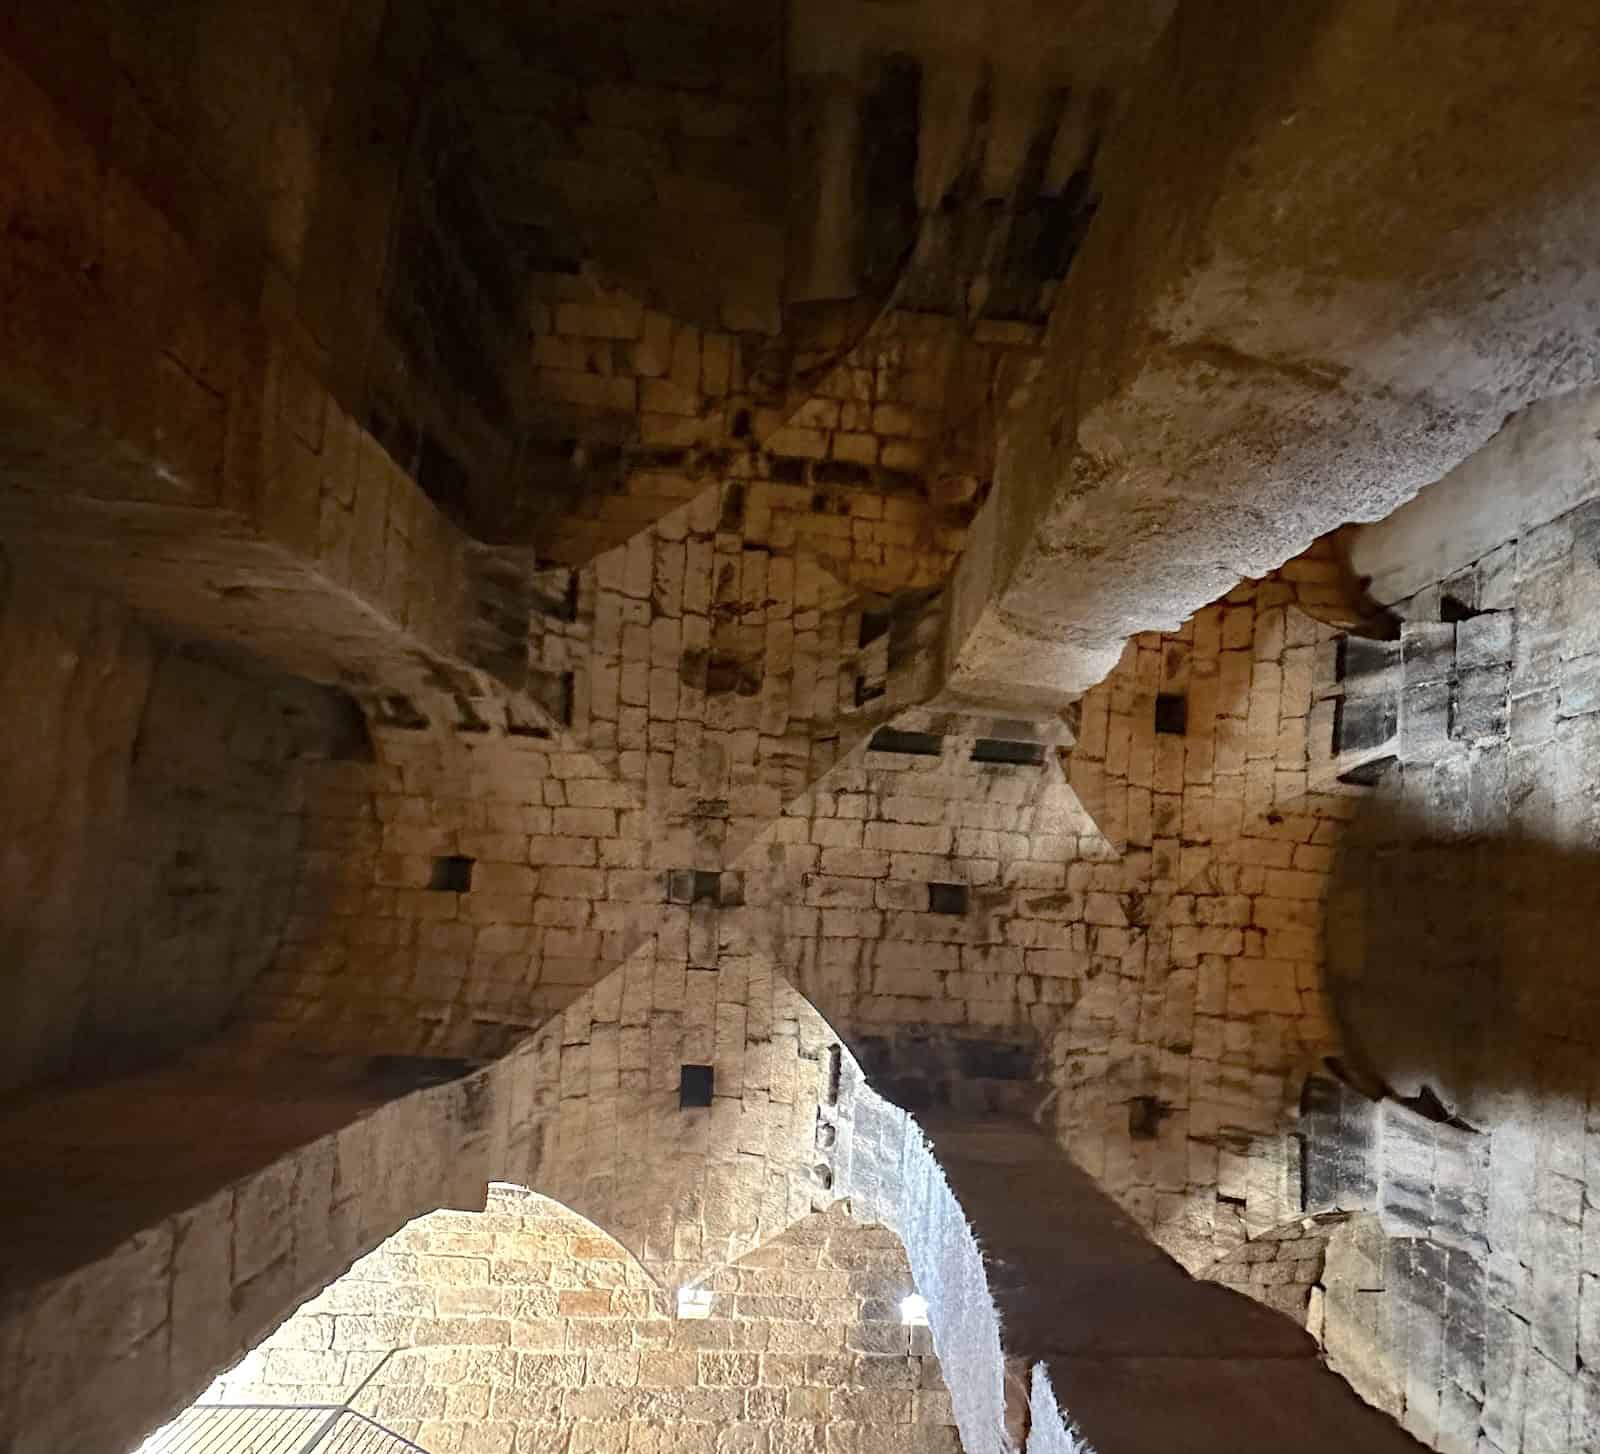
x=914, y=1310
x=694, y=1302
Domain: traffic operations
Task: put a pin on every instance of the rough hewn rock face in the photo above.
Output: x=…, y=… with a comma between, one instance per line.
x=1291, y=313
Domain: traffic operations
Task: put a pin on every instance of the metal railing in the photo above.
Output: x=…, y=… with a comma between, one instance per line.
x=245, y=1428
x=276, y=1429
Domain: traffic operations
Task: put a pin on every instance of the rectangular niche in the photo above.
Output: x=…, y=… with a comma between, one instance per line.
x=947, y=898
x=1172, y=714
x=1008, y=753
x=914, y=744
x=696, y=1085
x=451, y=875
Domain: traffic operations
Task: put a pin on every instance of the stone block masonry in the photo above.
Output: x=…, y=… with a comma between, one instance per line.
x=523, y=1327
x=711, y=675
x=150, y=826
x=873, y=464
x=1190, y=888
x=610, y=814
x=1143, y=912
x=1457, y=963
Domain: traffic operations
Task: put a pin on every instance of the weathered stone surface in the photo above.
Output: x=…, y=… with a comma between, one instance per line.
x=604, y=813
x=1185, y=436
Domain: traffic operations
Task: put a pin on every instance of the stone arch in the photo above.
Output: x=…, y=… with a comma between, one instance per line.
x=217, y=1254
x=598, y=1118
x=449, y=1283
x=115, y=1335
x=525, y=1324
x=232, y=1264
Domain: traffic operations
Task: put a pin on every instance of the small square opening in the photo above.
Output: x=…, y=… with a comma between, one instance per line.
x=451, y=875
x=1172, y=714
x=947, y=898
x=696, y=1085
x=914, y=744
x=1008, y=753
x=1145, y=1114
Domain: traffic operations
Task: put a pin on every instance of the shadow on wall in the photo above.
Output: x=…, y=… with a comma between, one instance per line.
x=1461, y=966
x=150, y=831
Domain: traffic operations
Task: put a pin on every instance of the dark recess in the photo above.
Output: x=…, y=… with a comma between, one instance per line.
x=947, y=898
x=873, y=625
x=1359, y=656
x=915, y=744
x=696, y=1084
x=1369, y=773
x=452, y=875
x=869, y=691
x=1172, y=714
x=1008, y=754
x=1362, y=723
x=1145, y=1114
x=419, y=1070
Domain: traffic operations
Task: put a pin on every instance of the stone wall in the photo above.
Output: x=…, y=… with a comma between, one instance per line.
x=871, y=449
x=1139, y=922
x=524, y=1327
x=150, y=827
x=1459, y=970
x=140, y=1272
x=758, y=1148
x=708, y=671
x=602, y=825
x=1283, y=1269
x=1182, y=1068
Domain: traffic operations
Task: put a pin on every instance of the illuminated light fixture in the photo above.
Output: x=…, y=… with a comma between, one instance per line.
x=914, y=1311
x=694, y=1302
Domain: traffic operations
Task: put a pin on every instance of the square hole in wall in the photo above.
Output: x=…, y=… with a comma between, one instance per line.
x=1011, y=754
x=834, y=1076
x=1359, y=656
x=1363, y=723
x=947, y=898
x=728, y=675
x=696, y=1084
x=1145, y=1114
x=1172, y=714
x=914, y=744
x=451, y=875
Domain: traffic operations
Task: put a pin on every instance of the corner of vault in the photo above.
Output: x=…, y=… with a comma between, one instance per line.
x=693, y=1115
